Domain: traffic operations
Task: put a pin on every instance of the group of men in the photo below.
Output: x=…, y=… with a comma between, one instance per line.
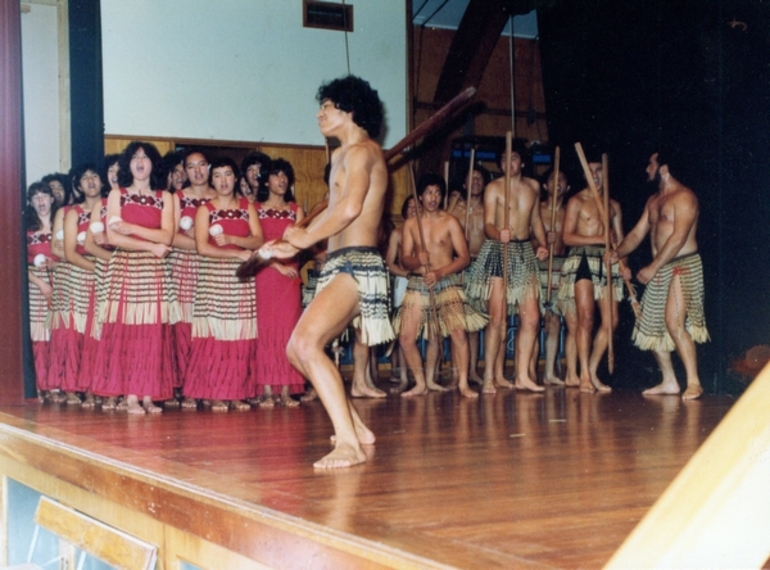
x=504, y=275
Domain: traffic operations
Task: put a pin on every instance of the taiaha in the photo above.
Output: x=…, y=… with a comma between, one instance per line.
x=506, y=223
x=446, y=183
x=608, y=263
x=257, y=261
x=468, y=185
x=600, y=206
x=554, y=192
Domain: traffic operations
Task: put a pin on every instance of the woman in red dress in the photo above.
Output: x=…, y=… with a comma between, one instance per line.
x=39, y=262
x=279, y=300
x=224, y=324
x=135, y=351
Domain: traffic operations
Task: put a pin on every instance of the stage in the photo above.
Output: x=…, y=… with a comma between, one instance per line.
x=514, y=480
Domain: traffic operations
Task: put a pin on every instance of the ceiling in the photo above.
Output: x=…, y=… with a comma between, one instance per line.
x=448, y=14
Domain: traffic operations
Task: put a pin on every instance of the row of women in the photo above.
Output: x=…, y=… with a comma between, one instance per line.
x=133, y=295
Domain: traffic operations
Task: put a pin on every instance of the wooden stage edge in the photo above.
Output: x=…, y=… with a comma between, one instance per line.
x=515, y=480
x=254, y=531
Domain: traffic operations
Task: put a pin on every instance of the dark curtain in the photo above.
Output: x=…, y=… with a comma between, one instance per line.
x=13, y=332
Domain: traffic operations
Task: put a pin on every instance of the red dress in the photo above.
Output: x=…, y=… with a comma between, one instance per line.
x=184, y=277
x=38, y=243
x=224, y=323
x=279, y=306
x=135, y=351
x=68, y=323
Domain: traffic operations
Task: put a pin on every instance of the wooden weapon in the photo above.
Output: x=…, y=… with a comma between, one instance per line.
x=256, y=261
x=446, y=183
x=506, y=222
x=608, y=264
x=468, y=184
x=600, y=207
x=556, y=164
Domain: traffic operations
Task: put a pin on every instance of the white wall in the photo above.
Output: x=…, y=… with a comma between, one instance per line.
x=242, y=70
x=40, y=70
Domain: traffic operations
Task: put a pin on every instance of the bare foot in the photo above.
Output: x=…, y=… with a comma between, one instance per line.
x=475, y=378
x=528, y=384
x=416, y=391
x=90, y=402
x=553, y=381
x=466, y=392
x=344, y=455
x=396, y=390
x=433, y=387
x=289, y=402
x=309, y=396
x=240, y=405
x=219, y=406
x=665, y=387
x=122, y=404
x=171, y=403
x=57, y=397
x=601, y=386
x=503, y=382
x=692, y=392
x=572, y=381
x=110, y=403
x=133, y=406
x=73, y=399
x=488, y=387
x=267, y=402
x=150, y=407
x=365, y=391
x=189, y=404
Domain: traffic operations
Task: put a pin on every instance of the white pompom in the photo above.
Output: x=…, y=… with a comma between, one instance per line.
x=114, y=220
x=39, y=260
x=265, y=254
x=81, y=238
x=216, y=230
x=186, y=223
x=60, y=234
x=97, y=228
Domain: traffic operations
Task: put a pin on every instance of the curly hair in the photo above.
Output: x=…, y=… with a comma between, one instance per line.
x=431, y=179
x=32, y=221
x=77, y=172
x=158, y=174
x=274, y=167
x=354, y=95
x=221, y=161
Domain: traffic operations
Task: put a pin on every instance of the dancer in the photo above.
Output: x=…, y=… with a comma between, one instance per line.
x=672, y=306
x=354, y=281
x=225, y=309
x=279, y=302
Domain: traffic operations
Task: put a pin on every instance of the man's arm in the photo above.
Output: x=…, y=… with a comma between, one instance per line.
x=537, y=228
x=490, y=210
x=616, y=221
x=632, y=240
x=409, y=256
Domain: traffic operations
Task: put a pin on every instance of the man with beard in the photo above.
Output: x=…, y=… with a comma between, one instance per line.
x=672, y=306
x=434, y=291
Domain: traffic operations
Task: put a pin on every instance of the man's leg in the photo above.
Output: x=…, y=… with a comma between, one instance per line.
x=432, y=364
x=601, y=341
x=570, y=346
x=494, y=339
x=552, y=332
x=460, y=353
x=360, y=388
x=585, y=307
x=407, y=339
x=676, y=314
x=669, y=385
x=529, y=324
x=473, y=346
x=324, y=319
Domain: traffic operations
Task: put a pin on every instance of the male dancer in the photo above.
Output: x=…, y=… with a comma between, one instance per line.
x=672, y=306
x=583, y=280
x=555, y=192
x=354, y=282
x=485, y=277
x=476, y=238
x=435, y=284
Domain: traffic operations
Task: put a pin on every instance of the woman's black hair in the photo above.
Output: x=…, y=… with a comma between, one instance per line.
x=32, y=221
x=158, y=174
x=63, y=180
x=274, y=167
x=221, y=161
x=76, y=173
x=405, y=206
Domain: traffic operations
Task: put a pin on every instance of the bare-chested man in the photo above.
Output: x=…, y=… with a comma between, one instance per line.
x=485, y=277
x=435, y=285
x=354, y=282
x=672, y=306
x=583, y=281
x=553, y=208
x=474, y=233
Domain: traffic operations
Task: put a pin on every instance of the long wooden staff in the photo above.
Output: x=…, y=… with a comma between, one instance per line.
x=607, y=263
x=433, y=327
x=468, y=185
x=600, y=207
x=506, y=222
x=555, y=191
x=249, y=268
x=446, y=184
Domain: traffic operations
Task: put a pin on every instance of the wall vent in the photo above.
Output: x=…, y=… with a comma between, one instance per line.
x=327, y=15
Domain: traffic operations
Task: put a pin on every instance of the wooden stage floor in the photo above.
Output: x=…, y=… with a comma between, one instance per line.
x=515, y=480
